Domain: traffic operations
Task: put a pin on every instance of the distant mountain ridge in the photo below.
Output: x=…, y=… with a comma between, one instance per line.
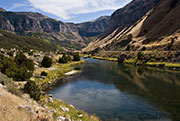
x=1, y=9
x=68, y=34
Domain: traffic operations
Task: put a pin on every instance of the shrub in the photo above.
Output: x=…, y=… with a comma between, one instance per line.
x=140, y=56
x=30, y=53
x=69, y=58
x=64, y=59
x=46, y=62
x=170, y=44
x=20, y=68
x=76, y=57
x=143, y=48
x=10, y=53
x=44, y=73
x=32, y=89
x=21, y=60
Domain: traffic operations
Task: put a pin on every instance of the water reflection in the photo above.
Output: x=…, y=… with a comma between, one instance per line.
x=119, y=92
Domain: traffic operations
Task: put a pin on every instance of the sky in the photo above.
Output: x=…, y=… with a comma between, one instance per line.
x=76, y=11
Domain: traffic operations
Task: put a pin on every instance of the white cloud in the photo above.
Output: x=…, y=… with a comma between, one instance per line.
x=17, y=5
x=67, y=8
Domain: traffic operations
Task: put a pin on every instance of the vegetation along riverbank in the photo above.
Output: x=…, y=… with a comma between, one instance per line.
x=45, y=74
x=162, y=60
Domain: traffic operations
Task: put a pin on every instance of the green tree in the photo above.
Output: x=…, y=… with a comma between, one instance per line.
x=76, y=57
x=21, y=60
x=140, y=56
x=46, y=62
x=32, y=89
x=44, y=73
x=63, y=59
x=19, y=68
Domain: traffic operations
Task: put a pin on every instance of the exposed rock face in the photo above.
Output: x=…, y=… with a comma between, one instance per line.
x=1, y=9
x=158, y=29
x=67, y=33
x=131, y=13
x=93, y=28
x=35, y=22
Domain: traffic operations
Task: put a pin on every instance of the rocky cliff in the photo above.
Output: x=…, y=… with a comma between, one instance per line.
x=94, y=27
x=158, y=29
x=35, y=24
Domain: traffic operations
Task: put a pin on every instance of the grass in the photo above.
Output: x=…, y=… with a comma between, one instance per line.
x=167, y=64
x=130, y=61
x=57, y=72
x=155, y=64
x=98, y=57
x=9, y=83
x=105, y=58
x=73, y=114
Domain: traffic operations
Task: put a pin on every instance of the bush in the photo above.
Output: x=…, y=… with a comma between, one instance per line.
x=32, y=89
x=69, y=58
x=46, y=62
x=30, y=53
x=44, y=73
x=140, y=56
x=170, y=45
x=19, y=68
x=143, y=48
x=21, y=60
x=76, y=57
x=64, y=59
x=10, y=53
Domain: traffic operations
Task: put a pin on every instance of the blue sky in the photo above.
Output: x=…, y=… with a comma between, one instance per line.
x=66, y=10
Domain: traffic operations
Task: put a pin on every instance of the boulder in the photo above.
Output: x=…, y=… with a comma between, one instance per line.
x=50, y=99
x=60, y=118
x=80, y=116
x=65, y=109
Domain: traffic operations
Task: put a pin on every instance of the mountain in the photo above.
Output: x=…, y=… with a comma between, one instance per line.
x=10, y=40
x=158, y=29
x=67, y=34
x=94, y=27
x=3, y=10
x=123, y=18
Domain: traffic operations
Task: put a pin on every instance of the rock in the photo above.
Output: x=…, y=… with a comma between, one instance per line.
x=1, y=86
x=51, y=111
x=50, y=95
x=27, y=108
x=65, y=109
x=50, y=99
x=45, y=106
x=43, y=77
x=67, y=119
x=71, y=106
x=60, y=118
x=80, y=116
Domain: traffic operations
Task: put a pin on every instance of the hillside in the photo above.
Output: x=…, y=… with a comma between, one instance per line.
x=11, y=40
x=94, y=27
x=157, y=30
x=69, y=35
x=124, y=17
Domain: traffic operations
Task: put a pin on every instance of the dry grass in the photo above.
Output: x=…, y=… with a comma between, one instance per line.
x=10, y=111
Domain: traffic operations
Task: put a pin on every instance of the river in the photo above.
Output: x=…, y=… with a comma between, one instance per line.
x=118, y=92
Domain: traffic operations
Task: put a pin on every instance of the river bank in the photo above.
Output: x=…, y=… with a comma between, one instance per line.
x=61, y=110
x=172, y=66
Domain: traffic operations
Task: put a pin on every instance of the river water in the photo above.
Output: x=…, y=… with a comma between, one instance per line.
x=118, y=92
